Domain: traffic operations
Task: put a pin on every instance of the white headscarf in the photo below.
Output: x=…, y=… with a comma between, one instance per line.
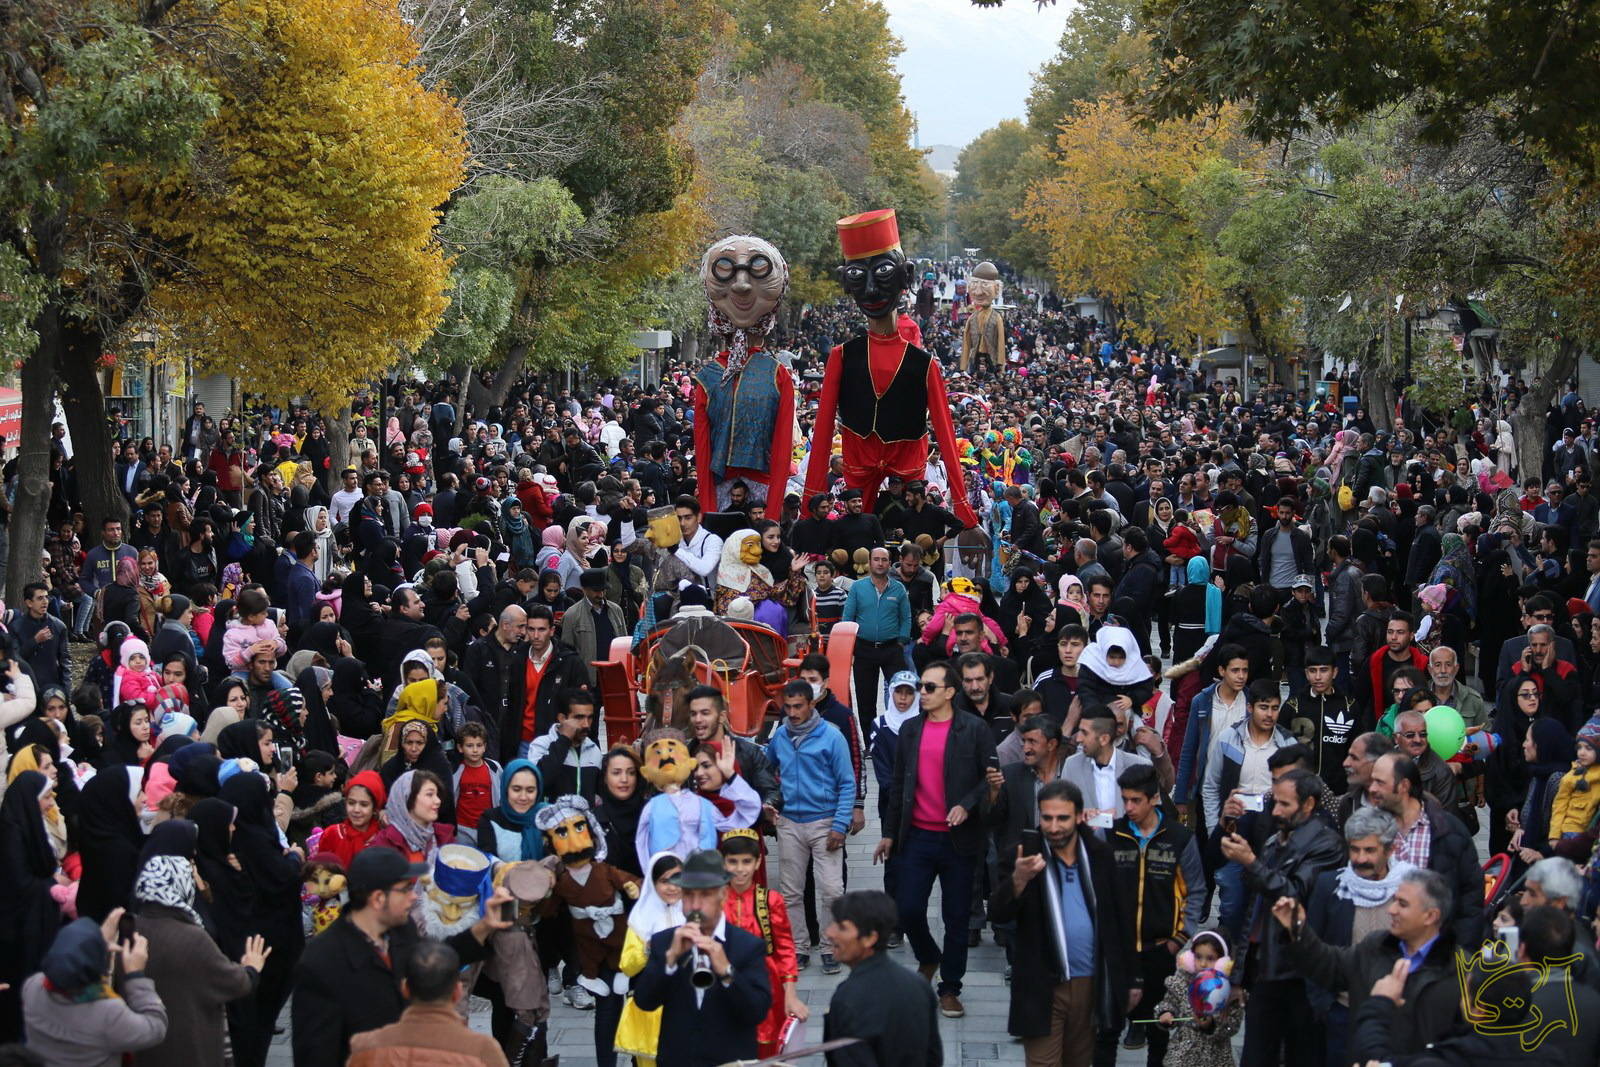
x=1133, y=669
x=651, y=914
x=168, y=881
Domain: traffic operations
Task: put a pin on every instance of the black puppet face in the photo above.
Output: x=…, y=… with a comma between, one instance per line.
x=875, y=283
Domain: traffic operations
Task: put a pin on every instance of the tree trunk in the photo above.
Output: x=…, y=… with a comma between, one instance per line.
x=689, y=348
x=30, y=510
x=77, y=352
x=463, y=374
x=504, y=378
x=338, y=430
x=1528, y=421
x=1377, y=383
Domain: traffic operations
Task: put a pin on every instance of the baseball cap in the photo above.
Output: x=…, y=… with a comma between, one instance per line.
x=1303, y=581
x=905, y=678
x=379, y=868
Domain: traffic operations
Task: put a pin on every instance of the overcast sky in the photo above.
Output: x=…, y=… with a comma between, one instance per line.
x=965, y=68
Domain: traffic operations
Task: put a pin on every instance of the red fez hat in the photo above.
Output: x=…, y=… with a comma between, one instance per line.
x=868, y=234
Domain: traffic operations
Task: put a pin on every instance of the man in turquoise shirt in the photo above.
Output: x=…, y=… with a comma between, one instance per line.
x=881, y=610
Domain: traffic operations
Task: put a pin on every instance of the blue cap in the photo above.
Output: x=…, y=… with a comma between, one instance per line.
x=906, y=678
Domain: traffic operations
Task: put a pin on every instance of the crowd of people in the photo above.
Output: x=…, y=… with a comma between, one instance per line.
x=1220, y=695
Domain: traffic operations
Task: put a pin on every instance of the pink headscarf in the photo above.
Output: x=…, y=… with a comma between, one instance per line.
x=1344, y=442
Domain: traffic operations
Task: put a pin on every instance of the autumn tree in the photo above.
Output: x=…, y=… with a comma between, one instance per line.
x=310, y=256
x=1120, y=216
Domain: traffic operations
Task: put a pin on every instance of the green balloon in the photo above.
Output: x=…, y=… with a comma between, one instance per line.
x=1446, y=730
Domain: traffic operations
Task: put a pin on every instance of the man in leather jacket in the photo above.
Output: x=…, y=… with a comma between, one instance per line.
x=1278, y=1016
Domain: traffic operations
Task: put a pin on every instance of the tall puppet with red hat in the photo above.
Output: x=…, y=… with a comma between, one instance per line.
x=881, y=389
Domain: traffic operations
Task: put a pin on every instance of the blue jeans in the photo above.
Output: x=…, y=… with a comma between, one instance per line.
x=928, y=855
x=1232, y=900
x=81, y=614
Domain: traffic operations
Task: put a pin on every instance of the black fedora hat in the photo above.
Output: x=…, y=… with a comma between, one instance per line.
x=702, y=870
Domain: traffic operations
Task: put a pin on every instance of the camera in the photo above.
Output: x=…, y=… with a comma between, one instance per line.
x=1253, y=801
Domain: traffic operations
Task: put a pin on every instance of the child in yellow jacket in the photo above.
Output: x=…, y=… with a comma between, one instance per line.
x=1578, y=795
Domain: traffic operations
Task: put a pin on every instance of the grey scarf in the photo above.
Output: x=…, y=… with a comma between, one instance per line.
x=798, y=733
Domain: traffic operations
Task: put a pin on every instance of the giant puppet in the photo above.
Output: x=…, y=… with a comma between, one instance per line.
x=744, y=396
x=882, y=389
x=983, y=336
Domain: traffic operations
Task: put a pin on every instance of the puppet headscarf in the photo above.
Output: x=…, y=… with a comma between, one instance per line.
x=737, y=568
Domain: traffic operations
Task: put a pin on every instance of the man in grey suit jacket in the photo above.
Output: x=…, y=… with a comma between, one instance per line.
x=1097, y=765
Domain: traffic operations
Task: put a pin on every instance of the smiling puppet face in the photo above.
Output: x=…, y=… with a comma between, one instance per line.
x=745, y=278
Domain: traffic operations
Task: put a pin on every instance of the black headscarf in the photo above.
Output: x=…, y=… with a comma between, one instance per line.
x=109, y=839
x=175, y=837
x=241, y=740
x=1034, y=603
x=123, y=747
x=24, y=846
x=322, y=638
x=194, y=769
x=29, y=917
x=620, y=820
x=274, y=876
x=357, y=708
x=231, y=901
x=319, y=732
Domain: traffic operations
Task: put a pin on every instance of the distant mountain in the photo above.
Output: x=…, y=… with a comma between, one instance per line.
x=942, y=158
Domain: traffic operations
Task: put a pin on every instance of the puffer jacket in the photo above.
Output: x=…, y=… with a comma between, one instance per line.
x=1574, y=809
x=427, y=1035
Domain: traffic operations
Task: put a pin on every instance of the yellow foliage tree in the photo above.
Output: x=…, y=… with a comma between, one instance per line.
x=311, y=263
x=1120, y=215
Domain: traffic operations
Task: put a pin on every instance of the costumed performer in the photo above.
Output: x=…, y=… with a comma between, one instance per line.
x=676, y=819
x=744, y=396
x=596, y=895
x=882, y=390
x=754, y=908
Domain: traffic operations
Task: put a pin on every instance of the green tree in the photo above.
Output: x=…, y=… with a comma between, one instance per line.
x=1294, y=65
x=848, y=52
x=1079, y=69
x=90, y=119
x=993, y=174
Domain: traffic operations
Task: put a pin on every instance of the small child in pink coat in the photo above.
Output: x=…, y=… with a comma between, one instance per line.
x=135, y=680
x=962, y=597
x=248, y=628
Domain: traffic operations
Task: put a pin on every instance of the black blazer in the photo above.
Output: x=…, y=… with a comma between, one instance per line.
x=723, y=1026
x=1035, y=970
x=891, y=1010
x=966, y=759
x=342, y=988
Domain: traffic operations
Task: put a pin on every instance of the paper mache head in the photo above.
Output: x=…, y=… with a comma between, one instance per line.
x=568, y=831
x=983, y=284
x=666, y=760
